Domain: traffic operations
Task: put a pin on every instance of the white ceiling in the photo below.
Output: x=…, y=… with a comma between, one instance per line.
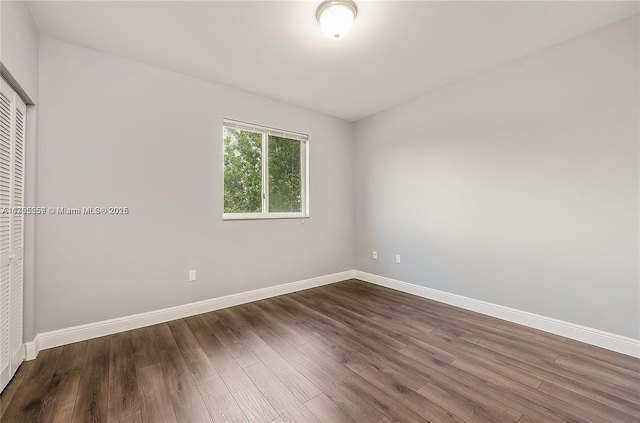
x=395, y=52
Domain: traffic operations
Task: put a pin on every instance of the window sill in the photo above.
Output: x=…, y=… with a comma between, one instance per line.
x=263, y=216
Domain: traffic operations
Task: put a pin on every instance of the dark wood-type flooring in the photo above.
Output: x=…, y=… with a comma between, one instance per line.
x=347, y=352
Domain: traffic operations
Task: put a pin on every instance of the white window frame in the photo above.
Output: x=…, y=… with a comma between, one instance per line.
x=304, y=171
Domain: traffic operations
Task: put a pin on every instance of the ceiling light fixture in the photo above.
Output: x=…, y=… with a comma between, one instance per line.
x=336, y=17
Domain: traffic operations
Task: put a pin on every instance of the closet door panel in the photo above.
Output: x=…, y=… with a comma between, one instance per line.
x=16, y=347
x=6, y=141
x=12, y=143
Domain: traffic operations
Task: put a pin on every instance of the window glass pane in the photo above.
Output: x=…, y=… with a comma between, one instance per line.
x=284, y=175
x=242, y=171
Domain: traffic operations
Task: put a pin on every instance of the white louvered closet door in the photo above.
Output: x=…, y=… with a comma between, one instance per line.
x=12, y=143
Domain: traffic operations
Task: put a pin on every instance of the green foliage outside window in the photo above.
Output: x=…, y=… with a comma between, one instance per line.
x=284, y=175
x=243, y=173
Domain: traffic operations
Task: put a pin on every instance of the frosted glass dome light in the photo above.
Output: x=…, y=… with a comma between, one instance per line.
x=336, y=17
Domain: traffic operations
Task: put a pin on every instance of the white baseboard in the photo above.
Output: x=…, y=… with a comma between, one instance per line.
x=31, y=349
x=610, y=341
x=66, y=336
x=585, y=334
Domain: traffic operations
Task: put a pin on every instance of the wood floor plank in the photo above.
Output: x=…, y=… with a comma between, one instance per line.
x=348, y=339
x=199, y=365
x=145, y=352
x=464, y=395
x=585, y=403
x=396, y=324
x=607, y=356
x=514, y=373
x=480, y=322
x=475, y=329
x=441, y=310
x=544, y=351
x=518, y=393
x=380, y=312
x=220, y=403
x=350, y=351
x=135, y=417
x=416, y=317
x=353, y=320
x=155, y=401
x=123, y=383
x=483, y=358
x=410, y=398
x=93, y=393
x=295, y=382
x=385, y=403
x=33, y=397
x=9, y=392
x=327, y=411
x=393, y=387
x=425, y=315
x=279, y=320
x=467, y=410
x=251, y=401
x=184, y=394
x=449, y=376
x=219, y=324
x=538, y=335
x=291, y=332
x=439, y=323
x=347, y=357
x=594, y=356
x=419, y=354
x=280, y=398
x=577, y=365
x=346, y=397
x=512, y=347
x=527, y=419
x=65, y=383
x=522, y=344
x=340, y=353
x=632, y=375
x=414, y=339
x=549, y=371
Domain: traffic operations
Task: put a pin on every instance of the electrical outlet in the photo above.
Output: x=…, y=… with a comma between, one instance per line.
x=375, y=255
x=398, y=260
x=192, y=275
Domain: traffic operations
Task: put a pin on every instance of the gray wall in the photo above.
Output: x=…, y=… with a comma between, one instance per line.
x=518, y=186
x=115, y=132
x=19, y=40
x=19, y=45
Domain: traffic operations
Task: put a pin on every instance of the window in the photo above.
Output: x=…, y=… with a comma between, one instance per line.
x=265, y=172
